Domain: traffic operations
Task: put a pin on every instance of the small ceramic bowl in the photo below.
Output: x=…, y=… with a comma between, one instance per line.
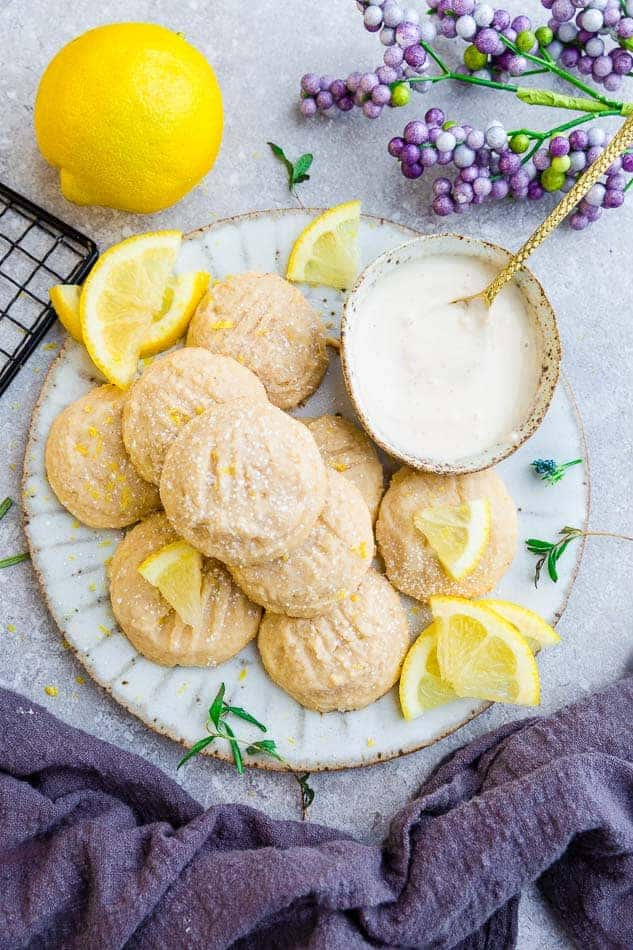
x=539, y=306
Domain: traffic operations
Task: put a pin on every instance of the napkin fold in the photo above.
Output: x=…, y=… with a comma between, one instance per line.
x=100, y=849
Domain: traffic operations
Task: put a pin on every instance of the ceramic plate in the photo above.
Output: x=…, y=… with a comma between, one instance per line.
x=70, y=559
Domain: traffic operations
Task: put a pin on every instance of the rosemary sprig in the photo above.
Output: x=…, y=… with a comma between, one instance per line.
x=5, y=506
x=219, y=728
x=551, y=472
x=550, y=552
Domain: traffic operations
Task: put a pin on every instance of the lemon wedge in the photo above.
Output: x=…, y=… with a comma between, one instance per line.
x=65, y=300
x=421, y=686
x=457, y=533
x=122, y=293
x=326, y=251
x=176, y=570
x=482, y=655
x=538, y=633
x=182, y=296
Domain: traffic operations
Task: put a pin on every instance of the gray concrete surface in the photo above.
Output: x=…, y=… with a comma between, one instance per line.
x=259, y=51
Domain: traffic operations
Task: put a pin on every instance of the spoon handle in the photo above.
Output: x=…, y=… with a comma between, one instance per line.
x=622, y=139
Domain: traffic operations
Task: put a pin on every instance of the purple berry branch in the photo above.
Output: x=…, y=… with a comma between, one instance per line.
x=494, y=163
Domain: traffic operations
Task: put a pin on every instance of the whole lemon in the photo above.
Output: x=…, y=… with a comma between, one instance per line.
x=131, y=114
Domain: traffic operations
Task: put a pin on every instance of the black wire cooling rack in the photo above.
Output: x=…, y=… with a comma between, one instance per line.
x=37, y=250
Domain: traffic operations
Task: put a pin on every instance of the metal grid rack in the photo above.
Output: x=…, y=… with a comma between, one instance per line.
x=37, y=250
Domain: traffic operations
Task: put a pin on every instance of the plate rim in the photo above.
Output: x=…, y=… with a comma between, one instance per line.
x=273, y=765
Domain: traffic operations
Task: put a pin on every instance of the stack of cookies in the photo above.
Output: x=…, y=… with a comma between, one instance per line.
x=281, y=510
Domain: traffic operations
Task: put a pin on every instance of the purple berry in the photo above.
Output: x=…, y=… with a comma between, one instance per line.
x=487, y=41
x=501, y=20
x=535, y=191
x=578, y=139
x=442, y=186
x=516, y=64
x=520, y=180
x=386, y=75
x=409, y=154
x=469, y=174
x=569, y=57
x=395, y=146
x=324, y=100
x=462, y=193
x=559, y=146
x=311, y=84
x=613, y=199
x=541, y=159
x=416, y=132
x=499, y=189
x=368, y=83
x=393, y=57
x=578, y=221
x=562, y=10
x=627, y=162
x=442, y=205
x=622, y=62
x=412, y=171
x=381, y=95
x=353, y=81
x=509, y=163
x=308, y=108
x=593, y=152
x=612, y=82
x=415, y=56
x=371, y=109
x=602, y=67
x=585, y=65
x=482, y=187
x=475, y=139
x=625, y=28
x=428, y=157
x=448, y=29
x=444, y=158
x=435, y=117
x=338, y=89
x=345, y=103
x=521, y=23
x=407, y=34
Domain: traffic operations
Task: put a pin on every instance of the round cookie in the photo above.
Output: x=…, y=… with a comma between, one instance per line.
x=87, y=465
x=329, y=564
x=264, y=322
x=342, y=660
x=244, y=482
x=411, y=563
x=348, y=450
x=153, y=626
x=172, y=391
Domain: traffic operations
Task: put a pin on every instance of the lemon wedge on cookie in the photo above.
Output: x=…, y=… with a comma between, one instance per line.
x=176, y=570
x=457, y=533
x=326, y=251
x=421, y=685
x=482, y=655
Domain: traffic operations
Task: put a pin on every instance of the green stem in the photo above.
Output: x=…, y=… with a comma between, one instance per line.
x=541, y=136
x=551, y=66
x=434, y=56
x=16, y=559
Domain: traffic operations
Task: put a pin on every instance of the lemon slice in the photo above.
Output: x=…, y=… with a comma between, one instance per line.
x=65, y=300
x=457, y=533
x=536, y=631
x=176, y=570
x=326, y=251
x=182, y=296
x=421, y=686
x=123, y=292
x=482, y=655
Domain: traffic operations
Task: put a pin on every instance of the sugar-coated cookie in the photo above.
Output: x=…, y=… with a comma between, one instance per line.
x=261, y=320
x=244, y=482
x=154, y=628
x=348, y=450
x=88, y=467
x=328, y=566
x=412, y=565
x=344, y=659
x=172, y=391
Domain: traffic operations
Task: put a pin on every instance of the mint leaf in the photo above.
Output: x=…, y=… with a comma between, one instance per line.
x=297, y=171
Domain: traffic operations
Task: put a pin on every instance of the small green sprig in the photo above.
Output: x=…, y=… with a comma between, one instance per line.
x=551, y=472
x=297, y=171
x=550, y=552
x=219, y=728
x=5, y=506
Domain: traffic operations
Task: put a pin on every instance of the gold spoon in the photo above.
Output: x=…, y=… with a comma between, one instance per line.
x=620, y=141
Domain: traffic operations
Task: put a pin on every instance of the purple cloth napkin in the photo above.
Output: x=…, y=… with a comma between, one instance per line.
x=99, y=849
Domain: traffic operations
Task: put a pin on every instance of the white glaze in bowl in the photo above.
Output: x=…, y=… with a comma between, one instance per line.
x=354, y=326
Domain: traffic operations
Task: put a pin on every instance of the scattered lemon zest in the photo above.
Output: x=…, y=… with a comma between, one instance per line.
x=222, y=325
x=106, y=543
x=72, y=557
x=50, y=346
x=75, y=524
x=51, y=690
x=371, y=742
x=361, y=550
x=182, y=689
x=92, y=587
x=243, y=673
x=10, y=628
x=105, y=630
x=178, y=417
x=81, y=680
x=340, y=467
x=228, y=470
x=341, y=594
x=81, y=448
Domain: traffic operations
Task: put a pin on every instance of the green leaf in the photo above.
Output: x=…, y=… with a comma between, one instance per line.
x=535, y=545
x=195, y=749
x=16, y=559
x=235, y=749
x=265, y=747
x=300, y=168
x=246, y=716
x=307, y=792
x=4, y=507
x=215, y=709
x=551, y=565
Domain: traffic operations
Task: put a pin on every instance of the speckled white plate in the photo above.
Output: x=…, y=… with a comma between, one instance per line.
x=70, y=558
